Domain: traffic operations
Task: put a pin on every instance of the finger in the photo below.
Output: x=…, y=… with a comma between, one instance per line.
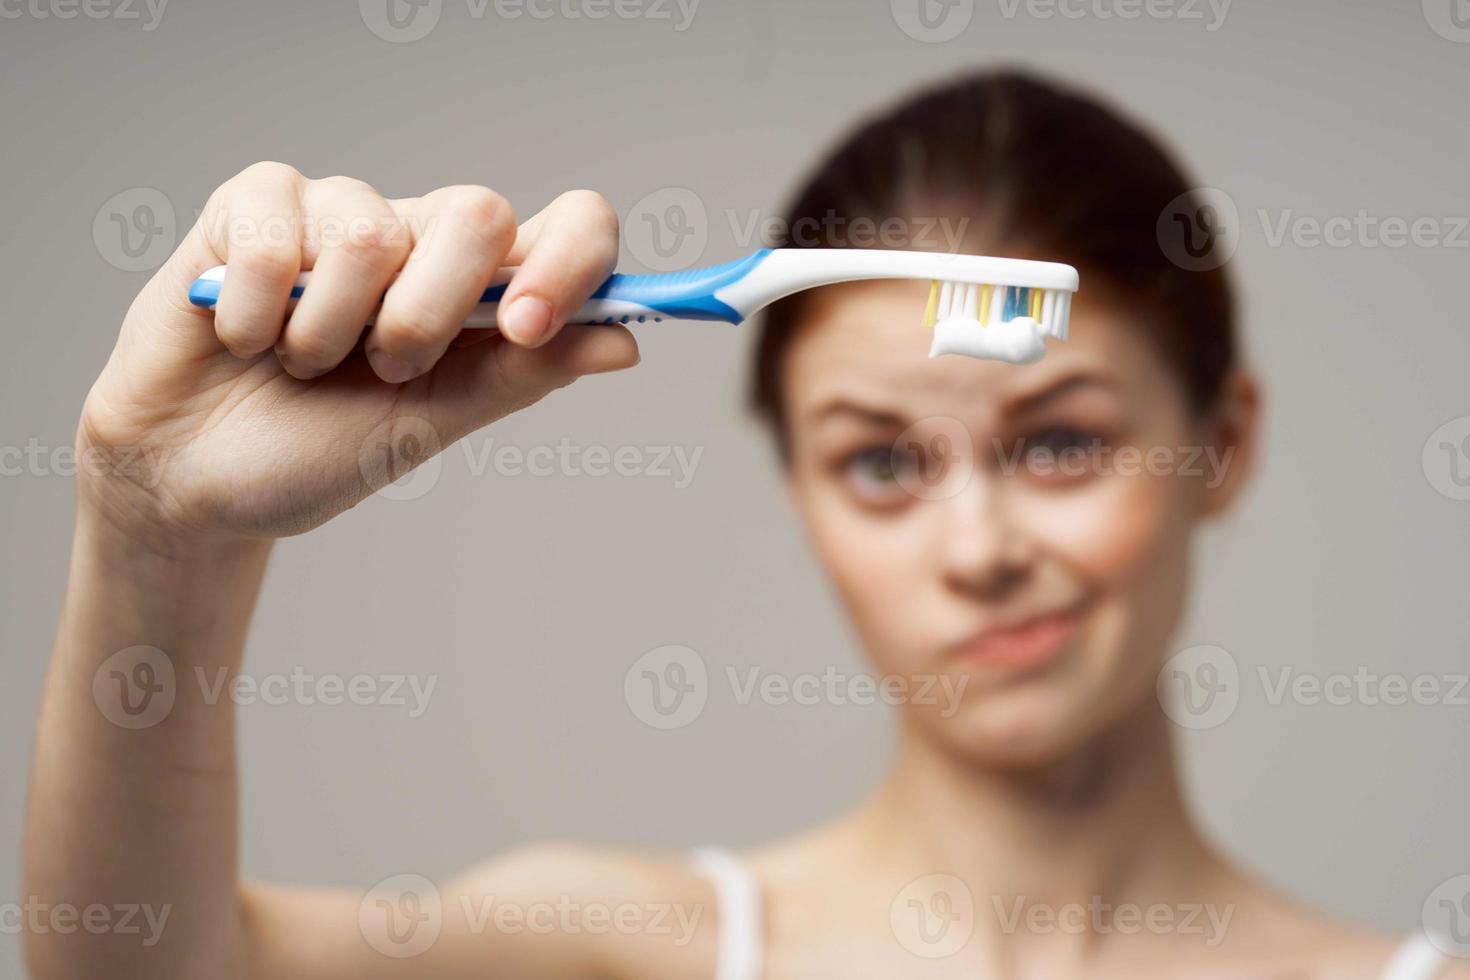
x=575, y=249
x=361, y=243
x=477, y=385
x=258, y=234
x=463, y=236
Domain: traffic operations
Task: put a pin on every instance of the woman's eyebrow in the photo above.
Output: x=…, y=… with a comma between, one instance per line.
x=864, y=413
x=1058, y=389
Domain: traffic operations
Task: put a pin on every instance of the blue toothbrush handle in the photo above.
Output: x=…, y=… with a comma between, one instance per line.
x=695, y=294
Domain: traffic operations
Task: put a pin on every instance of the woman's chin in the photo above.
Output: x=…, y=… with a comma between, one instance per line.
x=1022, y=729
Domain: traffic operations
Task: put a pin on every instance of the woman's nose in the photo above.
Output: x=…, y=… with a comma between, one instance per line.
x=984, y=553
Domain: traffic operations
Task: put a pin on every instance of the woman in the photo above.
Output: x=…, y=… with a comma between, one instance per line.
x=976, y=518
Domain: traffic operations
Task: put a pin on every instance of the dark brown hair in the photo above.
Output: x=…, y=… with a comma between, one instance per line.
x=1025, y=168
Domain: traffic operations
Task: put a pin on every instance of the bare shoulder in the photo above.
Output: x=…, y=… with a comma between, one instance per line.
x=1327, y=946
x=620, y=911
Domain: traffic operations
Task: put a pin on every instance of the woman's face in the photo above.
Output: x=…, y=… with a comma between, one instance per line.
x=1021, y=531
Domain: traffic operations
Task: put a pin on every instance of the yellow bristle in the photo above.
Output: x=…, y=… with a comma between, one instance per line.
x=984, y=304
x=1036, y=304
x=931, y=312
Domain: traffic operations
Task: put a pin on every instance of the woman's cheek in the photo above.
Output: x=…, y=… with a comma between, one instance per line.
x=877, y=564
x=1107, y=531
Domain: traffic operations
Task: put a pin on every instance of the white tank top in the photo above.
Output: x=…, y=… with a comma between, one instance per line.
x=742, y=933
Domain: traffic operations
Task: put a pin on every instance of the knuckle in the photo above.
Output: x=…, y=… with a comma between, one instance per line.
x=271, y=264
x=593, y=209
x=482, y=212
x=269, y=171
x=413, y=325
x=376, y=244
x=342, y=184
x=309, y=348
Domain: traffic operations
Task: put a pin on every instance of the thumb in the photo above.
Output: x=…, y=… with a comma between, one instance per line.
x=473, y=386
x=162, y=316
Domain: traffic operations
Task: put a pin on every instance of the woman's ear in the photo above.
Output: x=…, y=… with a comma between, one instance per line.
x=1231, y=442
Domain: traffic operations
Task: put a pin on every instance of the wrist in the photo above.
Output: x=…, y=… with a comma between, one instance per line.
x=148, y=550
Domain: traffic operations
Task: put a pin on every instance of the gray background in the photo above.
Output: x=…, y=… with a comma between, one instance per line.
x=530, y=597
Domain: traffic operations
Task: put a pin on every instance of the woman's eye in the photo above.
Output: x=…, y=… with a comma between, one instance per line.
x=878, y=473
x=1060, y=451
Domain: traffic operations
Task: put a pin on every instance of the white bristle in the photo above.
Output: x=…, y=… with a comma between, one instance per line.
x=1048, y=310
x=972, y=299
x=997, y=304
x=945, y=292
x=1063, y=312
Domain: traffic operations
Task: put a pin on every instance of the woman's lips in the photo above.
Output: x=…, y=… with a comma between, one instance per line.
x=1029, y=644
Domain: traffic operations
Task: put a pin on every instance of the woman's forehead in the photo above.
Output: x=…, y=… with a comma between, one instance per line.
x=866, y=341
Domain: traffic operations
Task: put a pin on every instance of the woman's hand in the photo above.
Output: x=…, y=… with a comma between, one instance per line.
x=246, y=424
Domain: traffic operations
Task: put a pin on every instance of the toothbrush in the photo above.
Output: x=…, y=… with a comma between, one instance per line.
x=979, y=306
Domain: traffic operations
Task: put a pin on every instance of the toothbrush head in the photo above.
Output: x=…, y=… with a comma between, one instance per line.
x=997, y=321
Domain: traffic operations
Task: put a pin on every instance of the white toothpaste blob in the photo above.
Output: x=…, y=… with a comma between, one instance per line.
x=1020, y=341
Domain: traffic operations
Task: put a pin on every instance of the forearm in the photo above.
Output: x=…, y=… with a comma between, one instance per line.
x=133, y=800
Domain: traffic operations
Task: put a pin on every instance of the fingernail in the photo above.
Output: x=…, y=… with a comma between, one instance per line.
x=393, y=370
x=526, y=320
